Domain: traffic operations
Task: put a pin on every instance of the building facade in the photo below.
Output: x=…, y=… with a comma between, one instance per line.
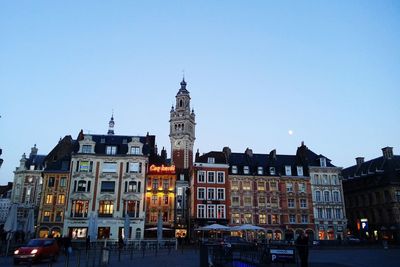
x=108, y=180
x=372, y=196
x=272, y=191
x=328, y=198
x=210, y=199
x=56, y=176
x=27, y=185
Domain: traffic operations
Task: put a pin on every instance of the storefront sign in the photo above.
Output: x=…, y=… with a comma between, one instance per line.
x=283, y=255
x=364, y=224
x=162, y=169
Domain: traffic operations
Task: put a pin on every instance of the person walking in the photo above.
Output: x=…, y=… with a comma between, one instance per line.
x=302, y=249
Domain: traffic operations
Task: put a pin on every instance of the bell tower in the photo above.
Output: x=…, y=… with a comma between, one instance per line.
x=182, y=130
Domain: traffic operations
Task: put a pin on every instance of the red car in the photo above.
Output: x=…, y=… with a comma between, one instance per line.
x=36, y=250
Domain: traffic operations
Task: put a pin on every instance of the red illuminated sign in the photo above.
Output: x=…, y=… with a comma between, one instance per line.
x=162, y=169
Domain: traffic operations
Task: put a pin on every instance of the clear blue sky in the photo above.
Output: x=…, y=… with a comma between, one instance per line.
x=327, y=70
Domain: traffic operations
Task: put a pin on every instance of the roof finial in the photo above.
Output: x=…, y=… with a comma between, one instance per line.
x=111, y=124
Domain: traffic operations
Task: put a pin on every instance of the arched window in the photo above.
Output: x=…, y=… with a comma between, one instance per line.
x=138, y=233
x=318, y=196
x=181, y=103
x=81, y=186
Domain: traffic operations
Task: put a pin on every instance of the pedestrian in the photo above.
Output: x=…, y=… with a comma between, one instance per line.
x=67, y=245
x=302, y=249
x=120, y=243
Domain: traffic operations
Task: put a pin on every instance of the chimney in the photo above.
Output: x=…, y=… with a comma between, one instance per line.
x=272, y=154
x=197, y=157
x=227, y=151
x=387, y=152
x=249, y=152
x=359, y=161
x=34, y=151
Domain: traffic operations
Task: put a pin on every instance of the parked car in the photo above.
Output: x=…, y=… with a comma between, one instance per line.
x=37, y=250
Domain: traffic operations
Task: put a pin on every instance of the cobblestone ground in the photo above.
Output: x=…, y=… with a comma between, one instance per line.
x=346, y=257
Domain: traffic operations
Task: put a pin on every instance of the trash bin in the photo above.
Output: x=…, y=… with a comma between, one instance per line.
x=105, y=256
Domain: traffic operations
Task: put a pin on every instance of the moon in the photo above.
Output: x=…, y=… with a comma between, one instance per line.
x=290, y=132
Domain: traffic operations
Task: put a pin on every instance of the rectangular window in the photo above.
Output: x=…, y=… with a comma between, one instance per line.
x=107, y=187
x=304, y=218
x=292, y=218
x=154, y=200
x=211, y=160
x=288, y=170
x=303, y=203
x=234, y=169
x=80, y=208
x=49, y=199
x=246, y=170
x=260, y=171
x=154, y=184
x=87, y=149
x=274, y=219
x=134, y=167
x=289, y=187
x=246, y=185
x=260, y=186
x=165, y=184
x=211, y=177
x=132, y=207
x=59, y=216
x=210, y=194
x=111, y=150
x=248, y=218
x=318, y=196
x=236, y=218
x=320, y=214
x=63, y=181
x=247, y=201
x=274, y=202
x=46, y=216
x=135, y=150
x=262, y=219
x=329, y=213
x=165, y=200
x=335, y=196
x=85, y=166
x=109, y=167
x=201, y=177
x=235, y=185
x=338, y=213
x=210, y=211
x=273, y=186
x=235, y=201
x=291, y=203
x=302, y=187
x=261, y=201
x=220, y=211
x=106, y=208
x=201, y=193
x=299, y=171
x=272, y=170
x=61, y=199
x=220, y=193
x=201, y=211
x=220, y=177
x=51, y=181
x=322, y=162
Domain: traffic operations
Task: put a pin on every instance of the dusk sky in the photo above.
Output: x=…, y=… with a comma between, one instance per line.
x=328, y=71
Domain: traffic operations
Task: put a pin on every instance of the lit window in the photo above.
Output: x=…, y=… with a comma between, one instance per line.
x=272, y=170
x=61, y=199
x=261, y=186
x=274, y=219
x=246, y=185
x=111, y=150
x=49, y=199
x=262, y=219
x=260, y=171
x=106, y=208
x=85, y=166
x=248, y=218
x=80, y=208
x=236, y=218
x=235, y=185
x=46, y=216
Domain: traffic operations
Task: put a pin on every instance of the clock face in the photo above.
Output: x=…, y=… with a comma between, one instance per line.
x=178, y=143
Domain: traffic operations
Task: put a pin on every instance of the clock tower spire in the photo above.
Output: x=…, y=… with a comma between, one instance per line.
x=182, y=130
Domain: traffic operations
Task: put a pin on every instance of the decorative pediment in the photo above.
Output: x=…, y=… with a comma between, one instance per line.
x=106, y=197
x=80, y=196
x=132, y=197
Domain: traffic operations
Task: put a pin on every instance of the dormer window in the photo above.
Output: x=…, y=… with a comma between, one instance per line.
x=272, y=170
x=135, y=150
x=246, y=170
x=111, y=150
x=260, y=171
x=299, y=171
x=87, y=149
x=288, y=170
x=234, y=169
x=211, y=160
x=322, y=162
